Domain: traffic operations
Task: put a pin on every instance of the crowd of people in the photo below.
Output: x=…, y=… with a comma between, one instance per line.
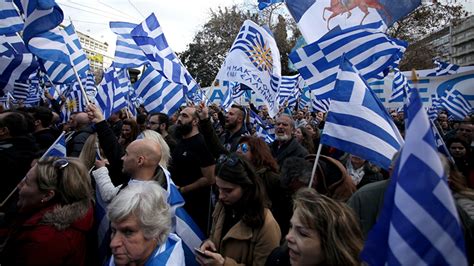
x=251, y=199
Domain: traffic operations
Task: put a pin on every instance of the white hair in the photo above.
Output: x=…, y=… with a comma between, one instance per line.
x=147, y=202
x=165, y=149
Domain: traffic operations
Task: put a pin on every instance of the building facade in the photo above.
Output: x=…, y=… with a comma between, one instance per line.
x=96, y=52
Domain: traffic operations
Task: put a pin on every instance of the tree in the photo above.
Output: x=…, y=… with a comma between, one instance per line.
x=205, y=55
x=424, y=20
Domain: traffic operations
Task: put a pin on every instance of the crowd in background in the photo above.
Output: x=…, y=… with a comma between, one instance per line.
x=249, y=198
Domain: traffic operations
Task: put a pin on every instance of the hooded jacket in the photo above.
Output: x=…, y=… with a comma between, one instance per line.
x=55, y=235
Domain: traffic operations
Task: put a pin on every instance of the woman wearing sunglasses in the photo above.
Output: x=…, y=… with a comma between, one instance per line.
x=243, y=230
x=56, y=213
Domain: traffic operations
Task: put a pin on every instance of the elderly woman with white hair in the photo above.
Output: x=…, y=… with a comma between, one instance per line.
x=141, y=225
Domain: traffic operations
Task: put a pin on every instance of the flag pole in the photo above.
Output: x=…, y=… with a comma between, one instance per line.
x=16, y=187
x=315, y=165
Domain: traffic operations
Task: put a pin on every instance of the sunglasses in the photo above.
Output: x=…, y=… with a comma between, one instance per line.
x=228, y=160
x=244, y=147
x=59, y=165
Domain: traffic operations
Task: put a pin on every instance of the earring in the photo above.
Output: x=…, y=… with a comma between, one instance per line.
x=42, y=201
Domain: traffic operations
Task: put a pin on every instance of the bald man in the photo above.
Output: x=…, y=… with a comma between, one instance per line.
x=82, y=127
x=140, y=162
x=141, y=159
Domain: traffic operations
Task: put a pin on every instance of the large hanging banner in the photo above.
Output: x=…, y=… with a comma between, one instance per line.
x=463, y=82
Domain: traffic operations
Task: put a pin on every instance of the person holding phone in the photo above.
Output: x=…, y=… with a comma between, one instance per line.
x=243, y=230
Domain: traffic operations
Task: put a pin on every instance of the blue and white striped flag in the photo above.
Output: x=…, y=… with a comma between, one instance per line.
x=11, y=45
x=40, y=17
x=254, y=60
x=159, y=94
x=419, y=223
x=357, y=121
x=366, y=47
x=262, y=4
x=151, y=39
x=444, y=68
x=400, y=86
x=10, y=20
x=320, y=105
x=455, y=103
x=21, y=90
x=60, y=71
x=111, y=96
x=433, y=110
x=228, y=100
x=184, y=225
x=127, y=52
x=16, y=68
x=58, y=148
x=290, y=90
x=267, y=133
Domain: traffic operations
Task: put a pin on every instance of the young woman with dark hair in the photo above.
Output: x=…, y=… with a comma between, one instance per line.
x=243, y=230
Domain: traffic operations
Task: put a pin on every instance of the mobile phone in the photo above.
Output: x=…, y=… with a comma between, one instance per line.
x=201, y=253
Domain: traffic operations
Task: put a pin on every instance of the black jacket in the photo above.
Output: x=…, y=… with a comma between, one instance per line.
x=288, y=149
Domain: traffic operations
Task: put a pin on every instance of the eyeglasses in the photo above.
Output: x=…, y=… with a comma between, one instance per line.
x=244, y=147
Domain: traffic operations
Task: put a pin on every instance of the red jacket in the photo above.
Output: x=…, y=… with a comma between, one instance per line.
x=55, y=235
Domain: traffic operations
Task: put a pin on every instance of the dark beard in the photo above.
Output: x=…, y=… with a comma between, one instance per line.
x=183, y=129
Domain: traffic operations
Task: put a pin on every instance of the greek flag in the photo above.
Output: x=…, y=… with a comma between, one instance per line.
x=316, y=17
x=58, y=148
x=11, y=45
x=267, y=133
x=444, y=68
x=20, y=91
x=183, y=226
x=290, y=90
x=150, y=38
x=40, y=17
x=419, y=223
x=10, y=20
x=357, y=122
x=60, y=71
x=434, y=108
x=455, y=103
x=400, y=86
x=15, y=68
x=127, y=52
x=159, y=94
x=321, y=105
x=368, y=49
x=228, y=98
x=254, y=60
x=111, y=97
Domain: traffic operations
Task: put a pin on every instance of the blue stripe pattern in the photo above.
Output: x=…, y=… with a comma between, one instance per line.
x=127, y=52
x=112, y=95
x=58, y=148
x=290, y=90
x=418, y=224
x=455, y=103
x=10, y=20
x=357, y=121
x=444, y=68
x=159, y=94
x=370, y=50
x=61, y=71
x=16, y=68
x=150, y=38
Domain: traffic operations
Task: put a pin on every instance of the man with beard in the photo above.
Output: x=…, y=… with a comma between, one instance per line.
x=192, y=167
x=285, y=145
x=160, y=122
x=234, y=128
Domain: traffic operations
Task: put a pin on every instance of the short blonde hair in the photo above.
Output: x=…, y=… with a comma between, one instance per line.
x=68, y=177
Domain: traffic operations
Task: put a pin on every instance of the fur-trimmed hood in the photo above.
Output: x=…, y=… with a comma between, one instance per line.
x=78, y=215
